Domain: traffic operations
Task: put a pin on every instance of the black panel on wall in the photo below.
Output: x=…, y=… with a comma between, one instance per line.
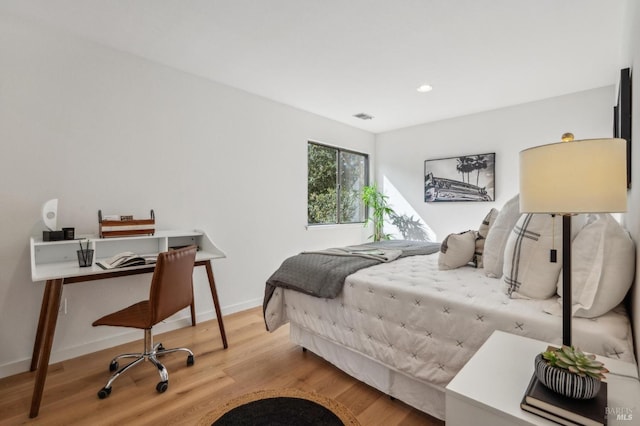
x=622, y=116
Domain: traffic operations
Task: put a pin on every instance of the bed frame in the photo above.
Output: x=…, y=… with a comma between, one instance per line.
x=419, y=394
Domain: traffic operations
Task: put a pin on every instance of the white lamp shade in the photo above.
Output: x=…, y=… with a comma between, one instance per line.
x=582, y=176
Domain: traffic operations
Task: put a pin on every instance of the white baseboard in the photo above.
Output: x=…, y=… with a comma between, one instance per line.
x=23, y=365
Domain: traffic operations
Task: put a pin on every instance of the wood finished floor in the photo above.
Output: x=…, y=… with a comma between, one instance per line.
x=255, y=360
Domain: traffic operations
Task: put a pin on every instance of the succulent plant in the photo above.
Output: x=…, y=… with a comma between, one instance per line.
x=575, y=361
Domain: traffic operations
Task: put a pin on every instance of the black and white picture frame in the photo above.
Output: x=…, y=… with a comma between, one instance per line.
x=463, y=178
x=622, y=116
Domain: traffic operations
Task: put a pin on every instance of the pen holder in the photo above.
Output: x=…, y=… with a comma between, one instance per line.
x=85, y=257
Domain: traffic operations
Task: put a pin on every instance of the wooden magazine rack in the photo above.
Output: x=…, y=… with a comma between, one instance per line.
x=126, y=226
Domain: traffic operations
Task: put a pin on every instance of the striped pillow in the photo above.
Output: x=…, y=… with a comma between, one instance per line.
x=528, y=270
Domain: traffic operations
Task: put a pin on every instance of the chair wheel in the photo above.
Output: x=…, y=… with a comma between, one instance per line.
x=104, y=392
x=160, y=347
x=162, y=386
x=113, y=366
x=190, y=360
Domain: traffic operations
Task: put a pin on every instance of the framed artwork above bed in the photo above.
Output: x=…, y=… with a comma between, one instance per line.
x=463, y=178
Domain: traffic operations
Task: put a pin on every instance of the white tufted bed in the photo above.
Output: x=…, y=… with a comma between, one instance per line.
x=406, y=328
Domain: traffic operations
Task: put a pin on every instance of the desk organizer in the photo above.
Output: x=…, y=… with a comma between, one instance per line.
x=126, y=227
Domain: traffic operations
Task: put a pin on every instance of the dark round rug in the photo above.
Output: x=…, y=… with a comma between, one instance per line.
x=281, y=407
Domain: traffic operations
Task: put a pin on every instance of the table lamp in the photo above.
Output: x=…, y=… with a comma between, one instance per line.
x=572, y=177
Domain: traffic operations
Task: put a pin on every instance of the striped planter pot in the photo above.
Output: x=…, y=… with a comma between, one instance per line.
x=564, y=382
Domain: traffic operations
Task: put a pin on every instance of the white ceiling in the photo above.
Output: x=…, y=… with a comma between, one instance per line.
x=337, y=58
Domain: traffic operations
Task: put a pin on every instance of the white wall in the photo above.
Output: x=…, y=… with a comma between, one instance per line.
x=101, y=129
x=400, y=154
x=631, y=58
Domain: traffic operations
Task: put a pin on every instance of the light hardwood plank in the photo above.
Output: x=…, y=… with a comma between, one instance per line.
x=255, y=360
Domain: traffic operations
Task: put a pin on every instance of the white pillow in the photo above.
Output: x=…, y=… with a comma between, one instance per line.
x=485, y=228
x=457, y=250
x=602, y=266
x=528, y=271
x=493, y=255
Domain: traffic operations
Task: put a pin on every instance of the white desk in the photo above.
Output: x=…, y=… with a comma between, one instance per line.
x=56, y=263
x=489, y=388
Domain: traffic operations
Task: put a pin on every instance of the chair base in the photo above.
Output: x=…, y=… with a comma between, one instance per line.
x=151, y=354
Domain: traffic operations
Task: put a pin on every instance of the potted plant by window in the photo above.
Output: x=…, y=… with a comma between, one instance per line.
x=570, y=372
x=379, y=204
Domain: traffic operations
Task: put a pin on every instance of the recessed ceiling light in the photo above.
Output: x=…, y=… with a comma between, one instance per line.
x=424, y=88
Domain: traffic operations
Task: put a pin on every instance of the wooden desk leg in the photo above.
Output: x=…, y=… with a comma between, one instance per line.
x=216, y=303
x=193, y=314
x=53, y=292
x=37, y=345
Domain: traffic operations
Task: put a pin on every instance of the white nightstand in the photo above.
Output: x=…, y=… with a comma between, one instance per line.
x=489, y=388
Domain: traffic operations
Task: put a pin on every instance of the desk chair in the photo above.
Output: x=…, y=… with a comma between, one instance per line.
x=171, y=290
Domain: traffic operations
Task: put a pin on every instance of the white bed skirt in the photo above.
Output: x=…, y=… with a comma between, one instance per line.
x=407, y=328
x=416, y=393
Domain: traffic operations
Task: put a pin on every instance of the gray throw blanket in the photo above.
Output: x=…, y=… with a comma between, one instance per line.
x=322, y=273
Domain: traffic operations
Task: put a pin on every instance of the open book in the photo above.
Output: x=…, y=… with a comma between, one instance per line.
x=125, y=259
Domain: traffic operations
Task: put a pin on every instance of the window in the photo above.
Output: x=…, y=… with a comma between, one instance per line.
x=335, y=182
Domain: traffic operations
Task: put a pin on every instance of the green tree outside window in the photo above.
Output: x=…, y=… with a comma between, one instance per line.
x=336, y=179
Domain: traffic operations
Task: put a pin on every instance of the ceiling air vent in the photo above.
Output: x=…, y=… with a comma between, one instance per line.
x=363, y=116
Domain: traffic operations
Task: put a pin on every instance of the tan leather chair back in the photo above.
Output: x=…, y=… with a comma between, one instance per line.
x=171, y=285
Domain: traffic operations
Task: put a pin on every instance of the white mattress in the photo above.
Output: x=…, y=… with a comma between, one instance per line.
x=427, y=323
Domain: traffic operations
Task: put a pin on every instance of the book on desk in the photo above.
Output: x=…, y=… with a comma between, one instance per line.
x=127, y=259
x=540, y=400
